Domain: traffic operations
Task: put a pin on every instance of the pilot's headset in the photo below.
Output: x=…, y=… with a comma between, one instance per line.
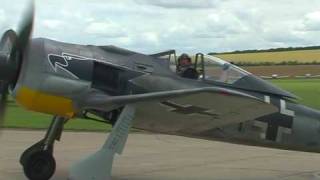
x=184, y=56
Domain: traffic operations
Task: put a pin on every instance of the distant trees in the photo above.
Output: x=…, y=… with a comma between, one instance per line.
x=267, y=63
x=268, y=50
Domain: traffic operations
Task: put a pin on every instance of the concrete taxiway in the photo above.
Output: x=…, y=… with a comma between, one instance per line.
x=164, y=157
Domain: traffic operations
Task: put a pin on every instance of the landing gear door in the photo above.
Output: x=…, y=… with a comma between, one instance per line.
x=199, y=65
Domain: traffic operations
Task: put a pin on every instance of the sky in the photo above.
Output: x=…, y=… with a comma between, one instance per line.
x=191, y=26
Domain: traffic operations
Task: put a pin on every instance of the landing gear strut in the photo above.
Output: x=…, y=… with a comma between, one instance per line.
x=38, y=161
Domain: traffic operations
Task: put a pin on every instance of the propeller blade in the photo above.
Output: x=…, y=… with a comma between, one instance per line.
x=12, y=48
x=25, y=29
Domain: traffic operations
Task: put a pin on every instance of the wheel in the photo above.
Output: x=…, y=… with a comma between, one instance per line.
x=39, y=165
x=34, y=148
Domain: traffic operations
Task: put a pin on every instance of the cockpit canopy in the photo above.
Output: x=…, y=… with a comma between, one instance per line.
x=210, y=68
x=216, y=69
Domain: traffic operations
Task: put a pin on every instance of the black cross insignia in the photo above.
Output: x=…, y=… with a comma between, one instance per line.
x=275, y=121
x=189, y=109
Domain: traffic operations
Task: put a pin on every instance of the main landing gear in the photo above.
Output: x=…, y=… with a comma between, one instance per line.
x=38, y=161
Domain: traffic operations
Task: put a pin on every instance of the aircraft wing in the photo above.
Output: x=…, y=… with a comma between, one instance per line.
x=191, y=110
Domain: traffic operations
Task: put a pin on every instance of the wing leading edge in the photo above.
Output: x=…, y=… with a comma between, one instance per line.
x=101, y=101
x=187, y=110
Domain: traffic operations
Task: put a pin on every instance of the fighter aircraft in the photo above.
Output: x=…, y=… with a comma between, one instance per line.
x=209, y=99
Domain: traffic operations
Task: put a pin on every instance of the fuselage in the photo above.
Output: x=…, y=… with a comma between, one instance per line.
x=55, y=76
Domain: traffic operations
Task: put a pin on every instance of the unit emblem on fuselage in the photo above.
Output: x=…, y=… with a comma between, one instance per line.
x=75, y=66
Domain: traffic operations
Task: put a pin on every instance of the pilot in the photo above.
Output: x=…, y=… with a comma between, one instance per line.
x=185, y=67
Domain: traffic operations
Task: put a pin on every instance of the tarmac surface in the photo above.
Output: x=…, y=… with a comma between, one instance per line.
x=164, y=157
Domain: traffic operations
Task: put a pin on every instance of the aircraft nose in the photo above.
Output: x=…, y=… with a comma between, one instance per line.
x=3, y=58
x=8, y=59
x=5, y=68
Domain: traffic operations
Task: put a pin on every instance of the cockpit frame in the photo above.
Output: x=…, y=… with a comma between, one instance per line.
x=201, y=68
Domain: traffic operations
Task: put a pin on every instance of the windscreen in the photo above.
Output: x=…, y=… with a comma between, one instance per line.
x=217, y=69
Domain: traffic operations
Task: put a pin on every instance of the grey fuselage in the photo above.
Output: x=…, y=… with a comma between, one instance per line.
x=71, y=71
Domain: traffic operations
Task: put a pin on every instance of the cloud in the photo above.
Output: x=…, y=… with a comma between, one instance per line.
x=224, y=24
x=4, y=24
x=105, y=28
x=186, y=25
x=279, y=37
x=2, y=16
x=181, y=4
x=151, y=37
x=312, y=21
x=52, y=24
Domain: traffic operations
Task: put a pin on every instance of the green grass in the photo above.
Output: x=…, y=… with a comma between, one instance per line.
x=307, y=89
x=17, y=117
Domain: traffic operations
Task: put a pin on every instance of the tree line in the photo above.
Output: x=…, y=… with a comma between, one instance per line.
x=267, y=50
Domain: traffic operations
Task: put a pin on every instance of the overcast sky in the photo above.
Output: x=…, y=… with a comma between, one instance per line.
x=186, y=25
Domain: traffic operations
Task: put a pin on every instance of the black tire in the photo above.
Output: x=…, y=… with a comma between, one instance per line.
x=39, y=146
x=40, y=165
x=34, y=148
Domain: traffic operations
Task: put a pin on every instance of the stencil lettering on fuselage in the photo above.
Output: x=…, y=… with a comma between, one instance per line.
x=273, y=126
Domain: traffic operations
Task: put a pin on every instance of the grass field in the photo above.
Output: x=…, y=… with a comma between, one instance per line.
x=287, y=70
x=17, y=117
x=299, y=56
x=307, y=89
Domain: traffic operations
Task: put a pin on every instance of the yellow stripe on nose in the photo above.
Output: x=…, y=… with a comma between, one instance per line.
x=45, y=103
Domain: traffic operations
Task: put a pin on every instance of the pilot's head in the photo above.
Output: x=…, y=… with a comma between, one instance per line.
x=184, y=60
